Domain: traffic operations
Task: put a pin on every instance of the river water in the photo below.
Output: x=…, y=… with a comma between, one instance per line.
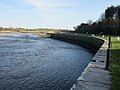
x=29, y=62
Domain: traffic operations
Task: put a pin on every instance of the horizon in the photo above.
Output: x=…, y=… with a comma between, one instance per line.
x=54, y=14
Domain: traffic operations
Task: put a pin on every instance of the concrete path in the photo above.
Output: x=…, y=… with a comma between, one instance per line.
x=95, y=77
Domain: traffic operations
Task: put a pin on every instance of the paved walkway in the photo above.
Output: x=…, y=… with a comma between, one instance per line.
x=95, y=77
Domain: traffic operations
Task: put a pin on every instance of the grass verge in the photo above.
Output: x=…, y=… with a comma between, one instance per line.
x=91, y=43
x=115, y=64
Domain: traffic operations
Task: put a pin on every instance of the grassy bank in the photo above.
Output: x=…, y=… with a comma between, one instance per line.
x=115, y=63
x=82, y=40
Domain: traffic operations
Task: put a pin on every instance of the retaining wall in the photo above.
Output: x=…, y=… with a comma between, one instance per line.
x=95, y=77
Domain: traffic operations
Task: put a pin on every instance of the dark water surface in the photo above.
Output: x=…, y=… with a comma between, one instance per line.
x=29, y=62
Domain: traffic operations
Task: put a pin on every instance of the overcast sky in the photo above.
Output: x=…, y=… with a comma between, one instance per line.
x=51, y=13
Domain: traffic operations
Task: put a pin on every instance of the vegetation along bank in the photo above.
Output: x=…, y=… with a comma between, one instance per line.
x=89, y=42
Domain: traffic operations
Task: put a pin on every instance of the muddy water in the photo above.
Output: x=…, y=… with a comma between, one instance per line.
x=29, y=62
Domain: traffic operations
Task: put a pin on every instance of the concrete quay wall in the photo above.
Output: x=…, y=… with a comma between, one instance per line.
x=95, y=77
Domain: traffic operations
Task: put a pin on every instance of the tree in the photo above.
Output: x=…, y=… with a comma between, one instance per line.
x=108, y=23
x=102, y=17
x=110, y=12
x=89, y=22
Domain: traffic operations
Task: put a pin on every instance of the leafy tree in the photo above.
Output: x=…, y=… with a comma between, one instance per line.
x=110, y=12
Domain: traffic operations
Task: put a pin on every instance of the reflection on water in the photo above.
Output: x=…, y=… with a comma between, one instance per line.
x=29, y=62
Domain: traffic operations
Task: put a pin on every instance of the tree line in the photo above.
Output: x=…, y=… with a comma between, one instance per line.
x=108, y=23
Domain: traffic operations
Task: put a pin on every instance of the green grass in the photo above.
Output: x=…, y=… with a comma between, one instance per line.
x=115, y=64
x=82, y=40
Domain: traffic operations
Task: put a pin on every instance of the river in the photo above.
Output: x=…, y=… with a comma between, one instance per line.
x=31, y=62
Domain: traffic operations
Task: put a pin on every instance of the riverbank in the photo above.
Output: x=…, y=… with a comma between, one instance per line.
x=94, y=77
x=39, y=33
x=115, y=63
x=85, y=41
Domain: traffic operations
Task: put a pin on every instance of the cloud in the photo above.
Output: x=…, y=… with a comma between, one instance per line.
x=49, y=5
